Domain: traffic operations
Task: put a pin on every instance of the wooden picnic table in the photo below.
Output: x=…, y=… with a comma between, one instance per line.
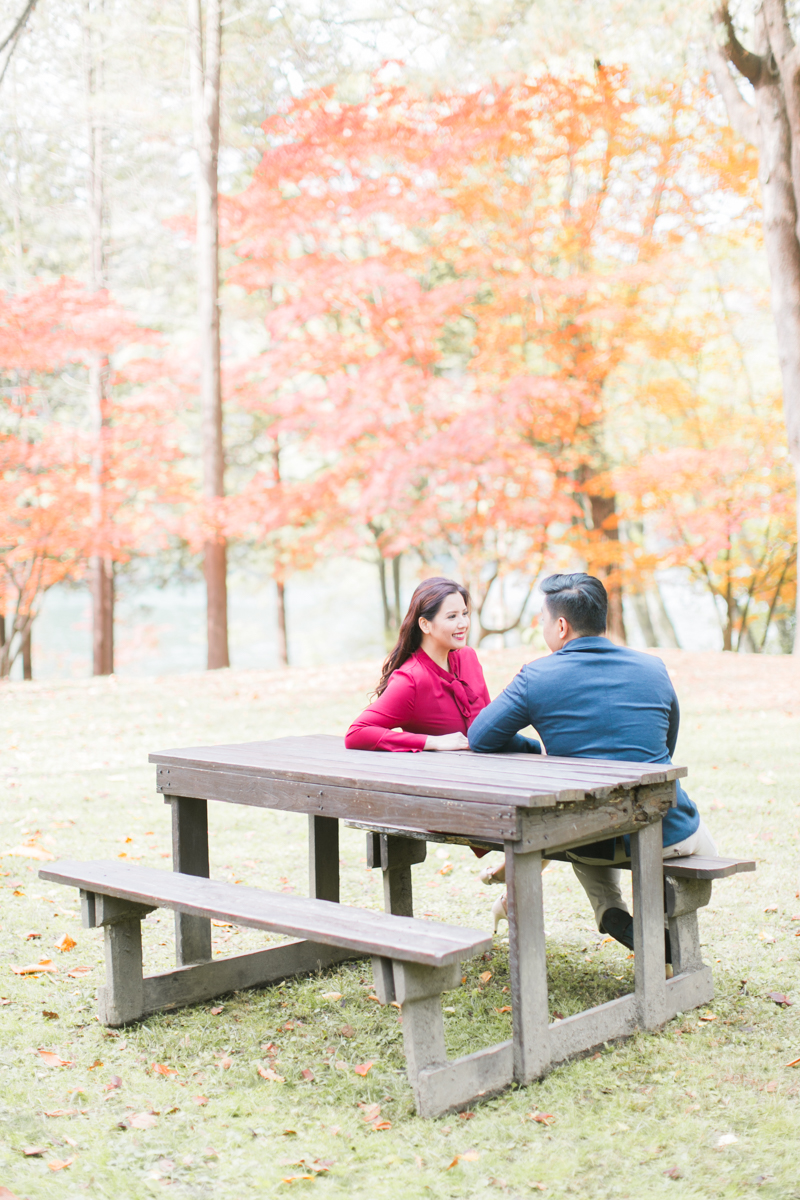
x=528, y=805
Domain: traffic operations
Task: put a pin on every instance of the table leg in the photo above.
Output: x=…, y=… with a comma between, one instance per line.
x=190, y=856
x=323, y=858
x=527, y=964
x=395, y=856
x=648, y=925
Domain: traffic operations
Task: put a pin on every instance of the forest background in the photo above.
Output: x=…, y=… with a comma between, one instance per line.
x=494, y=301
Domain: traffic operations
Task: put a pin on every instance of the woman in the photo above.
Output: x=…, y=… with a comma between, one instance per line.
x=432, y=686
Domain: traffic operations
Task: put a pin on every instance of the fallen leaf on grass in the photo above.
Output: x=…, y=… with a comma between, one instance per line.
x=225, y=1062
x=163, y=1069
x=672, y=1173
x=363, y=1069
x=708, y=1016
x=331, y=995
x=779, y=998
x=466, y=1116
x=506, y=1008
x=34, y=1151
x=201, y=1101
x=143, y=1120
x=114, y=1082
x=65, y=943
x=340, y=1065
x=44, y=964
x=30, y=850
x=485, y=976
x=31, y=937
x=347, y=1031
x=51, y=1059
x=77, y=972
x=51, y=1016
x=60, y=1164
x=97, y=1063
x=272, y=1076
x=369, y=1111
x=307, y=1074
x=377, y=999
x=468, y=1156
x=542, y=1118
x=794, y=1063
x=5, y=1194
x=771, y=908
x=70, y=1141
x=61, y=1112
x=216, y=1011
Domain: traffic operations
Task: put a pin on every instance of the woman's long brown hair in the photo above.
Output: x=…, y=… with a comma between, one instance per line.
x=428, y=598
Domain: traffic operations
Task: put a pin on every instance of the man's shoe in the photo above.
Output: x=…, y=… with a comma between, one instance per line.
x=619, y=925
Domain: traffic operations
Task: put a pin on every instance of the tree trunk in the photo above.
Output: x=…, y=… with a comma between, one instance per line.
x=204, y=53
x=604, y=509
x=667, y=635
x=283, y=641
x=387, y=611
x=2, y=630
x=396, y=613
x=101, y=571
x=27, y=665
x=772, y=124
x=639, y=604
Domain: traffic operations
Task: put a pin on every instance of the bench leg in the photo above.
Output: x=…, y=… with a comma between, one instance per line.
x=682, y=898
x=527, y=964
x=440, y=1086
x=648, y=925
x=323, y=858
x=122, y=998
x=383, y=979
x=190, y=856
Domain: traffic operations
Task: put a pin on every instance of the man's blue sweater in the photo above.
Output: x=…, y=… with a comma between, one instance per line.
x=592, y=699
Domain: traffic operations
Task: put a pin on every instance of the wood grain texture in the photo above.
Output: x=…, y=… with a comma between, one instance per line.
x=527, y=964
x=699, y=866
x=472, y=817
x=459, y=1084
x=323, y=858
x=190, y=857
x=358, y=929
x=258, y=968
x=648, y=925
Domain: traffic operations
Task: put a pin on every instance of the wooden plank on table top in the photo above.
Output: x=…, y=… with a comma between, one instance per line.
x=327, y=749
x=485, y=793
x=467, y=817
x=482, y=777
x=516, y=770
x=406, y=938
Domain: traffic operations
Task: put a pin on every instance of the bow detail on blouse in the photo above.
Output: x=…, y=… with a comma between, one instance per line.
x=467, y=701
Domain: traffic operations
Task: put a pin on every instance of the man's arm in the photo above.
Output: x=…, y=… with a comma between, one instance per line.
x=497, y=726
x=674, y=724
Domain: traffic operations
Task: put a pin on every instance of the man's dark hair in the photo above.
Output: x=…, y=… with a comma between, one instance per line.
x=580, y=599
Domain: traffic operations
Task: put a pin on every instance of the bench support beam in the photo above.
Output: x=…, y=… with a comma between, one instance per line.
x=527, y=964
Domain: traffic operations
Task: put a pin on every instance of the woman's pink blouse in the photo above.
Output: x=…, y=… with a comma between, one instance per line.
x=422, y=699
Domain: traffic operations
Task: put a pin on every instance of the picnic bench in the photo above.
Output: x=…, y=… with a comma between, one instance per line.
x=413, y=961
x=528, y=806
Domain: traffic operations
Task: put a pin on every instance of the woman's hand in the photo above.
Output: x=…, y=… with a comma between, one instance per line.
x=447, y=741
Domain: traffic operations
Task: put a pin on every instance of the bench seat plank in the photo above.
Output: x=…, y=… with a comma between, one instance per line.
x=699, y=866
x=407, y=939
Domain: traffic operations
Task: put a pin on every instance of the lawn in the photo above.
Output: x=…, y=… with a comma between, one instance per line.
x=708, y=1108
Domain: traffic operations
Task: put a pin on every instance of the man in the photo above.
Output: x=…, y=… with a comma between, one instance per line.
x=592, y=699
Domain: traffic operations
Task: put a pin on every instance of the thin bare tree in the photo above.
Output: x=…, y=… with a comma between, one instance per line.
x=770, y=121
x=205, y=46
x=101, y=565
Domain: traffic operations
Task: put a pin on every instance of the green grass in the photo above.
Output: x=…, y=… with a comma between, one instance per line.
x=642, y=1119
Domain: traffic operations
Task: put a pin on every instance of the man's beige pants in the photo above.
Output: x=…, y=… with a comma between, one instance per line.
x=601, y=878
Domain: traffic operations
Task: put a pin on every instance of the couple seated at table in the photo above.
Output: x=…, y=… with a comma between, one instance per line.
x=588, y=699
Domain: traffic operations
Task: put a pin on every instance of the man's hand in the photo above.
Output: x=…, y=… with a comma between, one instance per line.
x=447, y=741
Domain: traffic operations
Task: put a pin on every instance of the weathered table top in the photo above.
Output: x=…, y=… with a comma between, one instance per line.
x=458, y=792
